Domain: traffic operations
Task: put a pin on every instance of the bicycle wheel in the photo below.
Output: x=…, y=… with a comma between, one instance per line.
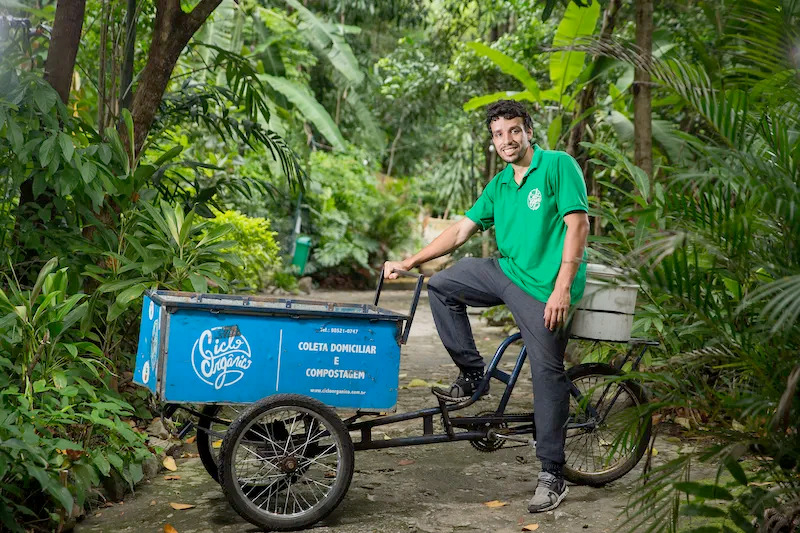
x=607, y=433
x=286, y=462
x=211, y=432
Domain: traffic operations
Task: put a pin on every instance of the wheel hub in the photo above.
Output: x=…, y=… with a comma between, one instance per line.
x=288, y=464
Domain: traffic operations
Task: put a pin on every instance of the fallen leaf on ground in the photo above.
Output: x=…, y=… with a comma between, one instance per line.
x=189, y=455
x=216, y=443
x=653, y=452
x=180, y=506
x=683, y=422
x=416, y=382
x=329, y=474
x=73, y=455
x=169, y=529
x=191, y=439
x=495, y=503
x=152, y=502
x=169, y=463
x=171, y=477
x=530, y=527
x=406, y=462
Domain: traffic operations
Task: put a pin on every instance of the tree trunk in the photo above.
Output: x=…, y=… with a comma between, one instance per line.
x=171, y=33
x=125, y=88
x=642, y=112
x=64, y=41
x=392, y=151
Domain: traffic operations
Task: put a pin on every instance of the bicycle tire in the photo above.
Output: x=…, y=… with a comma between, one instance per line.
x=208, y=433
x=289, y=464
x=589, y=452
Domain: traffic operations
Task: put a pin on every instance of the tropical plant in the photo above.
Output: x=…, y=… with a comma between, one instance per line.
x=721, y=257
x=566, y=65
x=354, y=224
x=253, y=243
x=60, y=432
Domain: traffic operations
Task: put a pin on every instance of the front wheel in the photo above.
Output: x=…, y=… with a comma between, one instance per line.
x=286, y=462
x=608, y=431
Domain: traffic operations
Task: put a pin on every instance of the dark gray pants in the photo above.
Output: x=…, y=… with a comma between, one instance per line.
x=481, y=283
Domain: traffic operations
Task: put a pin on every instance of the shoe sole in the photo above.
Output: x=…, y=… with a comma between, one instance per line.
x=551, y=506
x=450, y=399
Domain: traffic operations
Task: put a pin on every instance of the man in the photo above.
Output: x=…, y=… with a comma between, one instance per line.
x=538, y=206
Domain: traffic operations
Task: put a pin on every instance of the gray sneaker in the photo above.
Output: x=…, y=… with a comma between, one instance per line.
x=549, y=493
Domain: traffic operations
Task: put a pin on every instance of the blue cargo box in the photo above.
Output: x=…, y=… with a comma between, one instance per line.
x=216, y=348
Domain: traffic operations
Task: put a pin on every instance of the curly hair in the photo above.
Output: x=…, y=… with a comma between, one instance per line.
x=507, y=109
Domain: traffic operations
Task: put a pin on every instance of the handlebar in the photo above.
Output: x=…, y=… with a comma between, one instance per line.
x=414, y=302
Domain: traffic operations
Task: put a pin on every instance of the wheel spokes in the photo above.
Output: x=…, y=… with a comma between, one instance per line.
x=607, y=442
x=287, y=461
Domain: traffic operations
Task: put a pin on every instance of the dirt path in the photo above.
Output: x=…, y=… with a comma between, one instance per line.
x=433, y=488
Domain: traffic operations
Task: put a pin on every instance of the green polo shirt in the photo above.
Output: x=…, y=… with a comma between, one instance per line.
x=529, y=220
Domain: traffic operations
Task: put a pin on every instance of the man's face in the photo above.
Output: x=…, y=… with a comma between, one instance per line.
x=510, y=138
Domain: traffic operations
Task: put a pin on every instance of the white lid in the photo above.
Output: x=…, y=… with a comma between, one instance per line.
x=596, y=270
x=608, y=274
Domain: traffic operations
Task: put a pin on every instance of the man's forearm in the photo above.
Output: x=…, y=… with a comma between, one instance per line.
x=450, y=239
x=572, y=254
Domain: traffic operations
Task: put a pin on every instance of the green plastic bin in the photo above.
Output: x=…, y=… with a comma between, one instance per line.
x=301, y=249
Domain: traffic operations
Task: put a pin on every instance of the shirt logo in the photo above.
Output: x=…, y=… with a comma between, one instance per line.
x=534, y=199
x=221, y=356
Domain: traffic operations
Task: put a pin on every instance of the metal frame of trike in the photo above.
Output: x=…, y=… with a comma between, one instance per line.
x=458, y=428
x=472, y=428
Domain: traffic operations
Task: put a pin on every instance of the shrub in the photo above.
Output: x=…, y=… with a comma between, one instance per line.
x=61, y=428
x=254, y=245
x=355, y=223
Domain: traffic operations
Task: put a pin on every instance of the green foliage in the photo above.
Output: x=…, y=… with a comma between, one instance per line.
x=567, y=65
x=328, y=39
x=255, y=247
x=354, y=225
x=36, y=321
x=508, y=66
x=59, y=432
x=716, y=253
x=309, y=107
x=155, y=247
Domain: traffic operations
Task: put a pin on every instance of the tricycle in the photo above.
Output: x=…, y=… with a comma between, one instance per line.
x=270, y=373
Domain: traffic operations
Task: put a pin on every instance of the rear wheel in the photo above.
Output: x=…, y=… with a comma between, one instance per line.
x=608, y=432
x=214, y=421
x=286, y=462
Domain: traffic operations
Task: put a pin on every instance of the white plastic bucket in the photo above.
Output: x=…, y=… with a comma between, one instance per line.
x=605, y=313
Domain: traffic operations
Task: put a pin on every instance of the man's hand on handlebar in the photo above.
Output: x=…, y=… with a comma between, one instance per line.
x=390, y=268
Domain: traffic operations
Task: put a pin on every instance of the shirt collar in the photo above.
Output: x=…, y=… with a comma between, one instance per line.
x=507, y=175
